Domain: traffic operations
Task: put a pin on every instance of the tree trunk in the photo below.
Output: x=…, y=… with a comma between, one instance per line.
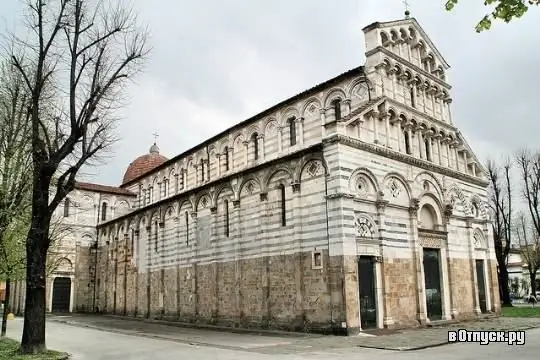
x=532, y=277
x=6, y=307
x=37, y=243
x=504, y=286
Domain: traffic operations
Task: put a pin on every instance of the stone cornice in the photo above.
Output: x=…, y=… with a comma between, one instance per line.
x=408, y=159
x=190, y=192
x=421, y=114
x=409, y=64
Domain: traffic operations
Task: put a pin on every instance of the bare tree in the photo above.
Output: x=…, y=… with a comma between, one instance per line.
x=500, y=200
x=15, y=170
x=529, y=248
x=529, y=167
x=76, y=64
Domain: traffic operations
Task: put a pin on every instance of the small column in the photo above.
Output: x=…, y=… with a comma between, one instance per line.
x=439, y=154
x=399, y=135
x=347, y=106
x=470, y=241
x=421, y=315
x=448, y=103
x=392, y=75
x=421, y=144
x=386, y=120
x=447, y=149
x=231, y=159
x=300, y=122
x=409, y=134
x=197, y=175
x=246, y=152
x=375, y=120
x=456, y=151
x=260, y=140
x=176, y=188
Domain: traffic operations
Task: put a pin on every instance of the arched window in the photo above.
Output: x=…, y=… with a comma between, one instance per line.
x=428, y=150
x=151, y=195
x=66, y=207
x=283, y=205
x=104, y=211
x=407, y=142
x=255, y=140
x=226, y=151
x=182, y=179
x=165, y=188
x=141, y=195
x=336, y=104
x=187, y=227
x=292, y=130
x=226, y=208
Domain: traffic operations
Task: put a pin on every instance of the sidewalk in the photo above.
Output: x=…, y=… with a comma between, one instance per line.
x=287, y=343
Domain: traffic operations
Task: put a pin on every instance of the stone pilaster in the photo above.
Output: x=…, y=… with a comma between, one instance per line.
x=472, y=262
x=421, y=315
x=237, y=265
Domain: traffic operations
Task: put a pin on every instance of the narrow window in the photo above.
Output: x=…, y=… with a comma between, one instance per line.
x=413, y=100
x=151, y=193
x=407, y=142
x=187, y=228
x=292, y=131
x=141, y=196
x=255, y=140
x=226, y=153
x=66, y=207
x=283, y=208
x=182, y=179
x=226, y=205
x=336, y=104
x=428, y=150
x=156, y=237
x=202, y=170
x=104, y=211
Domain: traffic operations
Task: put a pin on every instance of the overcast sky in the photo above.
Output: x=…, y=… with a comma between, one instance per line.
x=215, y=63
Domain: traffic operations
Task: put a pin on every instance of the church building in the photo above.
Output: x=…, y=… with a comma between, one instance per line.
x=352, y=205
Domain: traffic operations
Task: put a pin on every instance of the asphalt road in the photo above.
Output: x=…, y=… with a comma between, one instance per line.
x=90, y=344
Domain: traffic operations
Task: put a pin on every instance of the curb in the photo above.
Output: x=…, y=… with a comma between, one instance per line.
x=412, y=348
x=145, y=335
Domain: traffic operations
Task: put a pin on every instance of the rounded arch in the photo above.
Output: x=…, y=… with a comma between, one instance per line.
x=290, y=112
x=365, y=227
x=202, y=200
x=479, y=238
x=183, y=204
x=253, y=129
x=224, y=144
x=312, y=101
x=350, y=88
x=394, y=35
x=401, y=178
x=274, y=173
x=302, y=165
x=430, y=215
x=424, y=175
x=252, y=184
x=384, y=38
x=220, y=190
x=238, y=138
x=333, y=94
x=365, y=172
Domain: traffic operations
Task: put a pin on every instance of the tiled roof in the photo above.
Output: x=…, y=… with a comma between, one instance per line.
x=103, y=188
x=142, y=165
x=357, y=71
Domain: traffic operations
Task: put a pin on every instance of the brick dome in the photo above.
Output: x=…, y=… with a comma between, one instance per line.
x=144, y=164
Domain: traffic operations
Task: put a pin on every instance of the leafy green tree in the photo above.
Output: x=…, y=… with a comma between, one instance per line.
x=505, y=10
x=13, y=258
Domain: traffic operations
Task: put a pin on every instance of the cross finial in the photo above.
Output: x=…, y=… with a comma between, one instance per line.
x=407, y=12
x=155, y=135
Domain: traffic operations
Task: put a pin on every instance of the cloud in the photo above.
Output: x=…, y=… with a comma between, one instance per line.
x=217, y=63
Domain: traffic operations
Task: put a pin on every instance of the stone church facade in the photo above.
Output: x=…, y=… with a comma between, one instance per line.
x=355, y=204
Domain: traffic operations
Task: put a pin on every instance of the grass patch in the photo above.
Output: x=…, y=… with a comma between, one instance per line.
x=9, y=349
x=521, y=311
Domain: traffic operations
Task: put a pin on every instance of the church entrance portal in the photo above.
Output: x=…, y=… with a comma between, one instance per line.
x=368, y=304
x=61, y=296
x=432, y=279
x=481, y=283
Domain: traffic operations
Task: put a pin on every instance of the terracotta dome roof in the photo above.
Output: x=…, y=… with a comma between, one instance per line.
x=144, y=164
